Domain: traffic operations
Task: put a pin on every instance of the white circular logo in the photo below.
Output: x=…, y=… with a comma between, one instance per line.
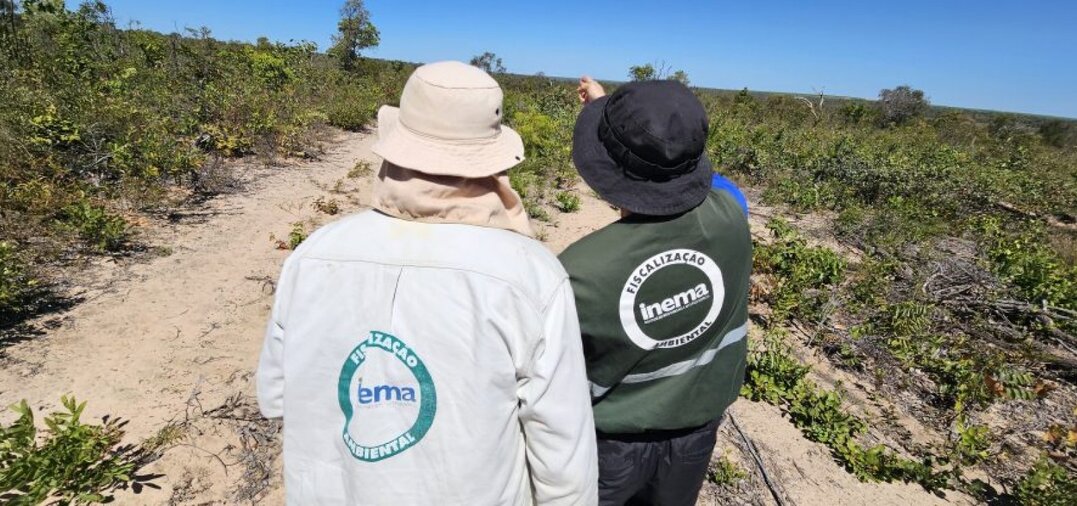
x=681, y=299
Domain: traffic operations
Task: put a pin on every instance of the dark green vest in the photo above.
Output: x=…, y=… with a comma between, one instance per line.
x=663, y=307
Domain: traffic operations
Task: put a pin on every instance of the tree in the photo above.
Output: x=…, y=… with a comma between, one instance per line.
x=644, y=72
x=489, y=62
x=656, y=71
x=355, y=33
x=680, y=76
x=901, y=104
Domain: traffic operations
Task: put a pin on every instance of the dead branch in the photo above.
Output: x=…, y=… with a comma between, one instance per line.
x=758, y=461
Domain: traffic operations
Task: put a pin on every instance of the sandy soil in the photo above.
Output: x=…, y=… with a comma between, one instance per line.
x=170, y=344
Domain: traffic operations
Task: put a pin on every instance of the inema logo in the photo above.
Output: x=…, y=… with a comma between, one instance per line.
x=674, y=304
x=385, y=393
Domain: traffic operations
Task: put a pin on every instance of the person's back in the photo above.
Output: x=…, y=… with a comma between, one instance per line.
x=428, y=352
x=664, y=310
x=662, y=293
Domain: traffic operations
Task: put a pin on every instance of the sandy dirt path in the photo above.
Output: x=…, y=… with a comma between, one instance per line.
x=173, y=341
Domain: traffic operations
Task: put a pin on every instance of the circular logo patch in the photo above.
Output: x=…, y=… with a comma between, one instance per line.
x=393, y=408
x=675, y=296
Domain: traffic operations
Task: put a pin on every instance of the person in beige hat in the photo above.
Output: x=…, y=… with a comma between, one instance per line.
x=428, y=351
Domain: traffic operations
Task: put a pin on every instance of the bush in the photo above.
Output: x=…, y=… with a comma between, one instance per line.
x=568, y=202
x=777, y=377
x=803, y=274
x=725, y=472
x=16, y=283
x=100, y=230
x=67, y=463
x=1047, y=484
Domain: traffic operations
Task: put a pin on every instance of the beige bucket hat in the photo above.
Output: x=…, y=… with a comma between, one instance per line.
x=449, y=124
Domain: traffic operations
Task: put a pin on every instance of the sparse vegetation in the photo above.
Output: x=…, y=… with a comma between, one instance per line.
x=568, y=202
x=100, y=124
x=69, y=462
x=361, y=169
x=724, y=472
x=330, y=206
x=777, y=377
x=1047, y=484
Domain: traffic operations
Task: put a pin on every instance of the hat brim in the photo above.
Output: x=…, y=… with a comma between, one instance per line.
x=635, y=195
x=471, y=158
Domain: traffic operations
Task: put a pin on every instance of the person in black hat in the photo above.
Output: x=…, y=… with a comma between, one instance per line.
x=662, y=294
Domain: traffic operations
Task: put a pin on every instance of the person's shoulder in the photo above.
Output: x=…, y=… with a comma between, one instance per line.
x=336, y=232
x=720, y=183
x=593, y=249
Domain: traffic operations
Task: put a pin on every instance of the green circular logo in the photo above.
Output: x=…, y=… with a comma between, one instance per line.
x=394, y=400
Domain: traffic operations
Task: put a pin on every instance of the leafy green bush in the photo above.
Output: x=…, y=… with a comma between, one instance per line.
x=1026, y=261
x=775, y=376
x=101, y=230
x=297, y=235
x=69, y=462
x=16, y=283
x=1047, y=484
x=972, y=444
x=803, y=273
x=351, y=108
x=568, y=202
x=725, y=472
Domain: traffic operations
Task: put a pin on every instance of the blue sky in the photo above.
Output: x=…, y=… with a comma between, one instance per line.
x=988, y=54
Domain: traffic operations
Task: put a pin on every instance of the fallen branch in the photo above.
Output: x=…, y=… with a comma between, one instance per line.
x=1070, y=224
x=758, y=461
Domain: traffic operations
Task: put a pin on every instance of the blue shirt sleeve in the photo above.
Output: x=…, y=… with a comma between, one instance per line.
x=720, y=183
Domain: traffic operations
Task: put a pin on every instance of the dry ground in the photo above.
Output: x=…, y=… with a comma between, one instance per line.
x=170, y=343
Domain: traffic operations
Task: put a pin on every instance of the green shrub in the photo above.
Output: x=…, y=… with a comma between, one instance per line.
x=773, y=373
x=725, y=472
x=804, y=274
x=100, y=230
x=351, y=108
x=535, y=210
x=297, y=235
x=1031, y=266
x=567, y=202
x=1047, y=484
x=775, y=376
x=16, y=282
x=69, y=462
x=972, y=443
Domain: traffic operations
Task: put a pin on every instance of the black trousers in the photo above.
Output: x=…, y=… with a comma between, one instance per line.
x=663, y=468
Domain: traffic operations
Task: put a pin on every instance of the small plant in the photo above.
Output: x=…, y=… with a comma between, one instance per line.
x=16, y=283
x=724, y=472
x=972, y=444
x=361, y=169
x=101, y=230
x=297, y=235
x=775, y=376
x=1047, y=484
x=804, y=274
x=330, y=207
x=567, y=202
x=70, y=462
x=535, y=210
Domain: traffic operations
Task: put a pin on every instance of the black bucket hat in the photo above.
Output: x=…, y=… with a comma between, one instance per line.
x=642, y=148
